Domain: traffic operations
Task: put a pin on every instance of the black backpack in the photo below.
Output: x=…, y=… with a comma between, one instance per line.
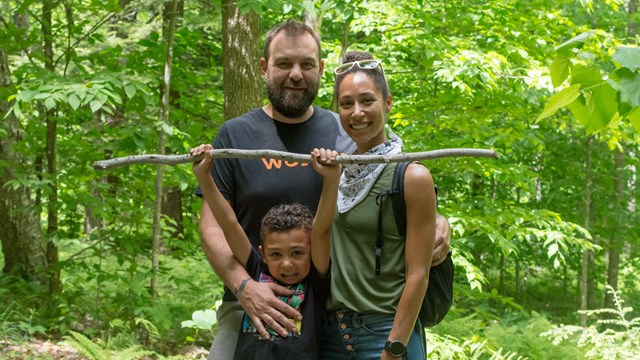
x=439, y=296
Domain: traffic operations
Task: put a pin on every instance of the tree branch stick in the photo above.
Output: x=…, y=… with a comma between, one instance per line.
x=288, y=156
x=293, y=157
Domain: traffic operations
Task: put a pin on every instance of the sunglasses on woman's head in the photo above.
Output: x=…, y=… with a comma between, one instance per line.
x=362, y=64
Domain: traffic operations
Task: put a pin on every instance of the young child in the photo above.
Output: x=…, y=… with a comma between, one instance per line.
x=291, y=255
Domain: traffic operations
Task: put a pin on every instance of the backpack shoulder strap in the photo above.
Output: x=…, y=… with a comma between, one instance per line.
x=397, y=197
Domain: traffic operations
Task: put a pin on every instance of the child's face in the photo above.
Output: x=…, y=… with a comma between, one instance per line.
x=288, y=255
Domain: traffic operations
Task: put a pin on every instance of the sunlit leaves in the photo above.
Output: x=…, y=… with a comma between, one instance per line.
x=628, y=57
x=201, y=319
x=102, y=93
x=560, y=100
x=467, y=70
x=571, y=46
x=560, y=69
x=634, y=118
x=630, y=90
x=473, y=274
x=604, y=96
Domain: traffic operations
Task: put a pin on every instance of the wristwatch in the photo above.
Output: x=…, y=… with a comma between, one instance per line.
x=395, y=348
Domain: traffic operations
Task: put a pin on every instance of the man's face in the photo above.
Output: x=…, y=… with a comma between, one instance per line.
x=293, y=73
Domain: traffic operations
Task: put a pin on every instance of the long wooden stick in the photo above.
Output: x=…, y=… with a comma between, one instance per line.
x=288, y=156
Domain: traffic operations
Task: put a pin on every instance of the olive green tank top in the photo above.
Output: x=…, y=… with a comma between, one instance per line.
x=354, y=285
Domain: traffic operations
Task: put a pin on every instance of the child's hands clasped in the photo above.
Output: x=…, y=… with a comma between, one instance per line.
x=321, y=161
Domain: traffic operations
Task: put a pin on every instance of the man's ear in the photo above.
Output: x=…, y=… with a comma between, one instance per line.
x=321, y=67
x=263, y=67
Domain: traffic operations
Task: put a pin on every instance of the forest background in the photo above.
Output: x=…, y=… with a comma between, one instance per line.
x=110, y=261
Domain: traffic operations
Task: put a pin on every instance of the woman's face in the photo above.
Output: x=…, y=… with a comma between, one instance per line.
x=363, y=110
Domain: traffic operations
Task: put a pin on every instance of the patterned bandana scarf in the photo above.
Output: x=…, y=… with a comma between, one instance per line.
x=357, y=179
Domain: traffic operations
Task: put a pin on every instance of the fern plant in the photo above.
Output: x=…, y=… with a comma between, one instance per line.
x=96, y=351
x=619, y=338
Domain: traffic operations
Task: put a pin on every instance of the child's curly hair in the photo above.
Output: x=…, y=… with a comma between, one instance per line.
x=286, y=217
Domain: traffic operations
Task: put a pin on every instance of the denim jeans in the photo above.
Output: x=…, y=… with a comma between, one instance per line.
x=349, y=335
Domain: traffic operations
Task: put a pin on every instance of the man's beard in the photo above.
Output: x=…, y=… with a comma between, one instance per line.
x=291, y=105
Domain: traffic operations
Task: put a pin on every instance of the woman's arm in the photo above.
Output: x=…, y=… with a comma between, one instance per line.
x=421, y=227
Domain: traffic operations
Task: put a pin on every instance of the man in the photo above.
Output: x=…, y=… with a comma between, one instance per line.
x=292, y=67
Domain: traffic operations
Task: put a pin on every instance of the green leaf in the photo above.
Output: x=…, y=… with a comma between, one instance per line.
x=95, y=105
x=575, y=42
x=588, y=76
x=630, y=90
x=17, y=110
x=628, y=57
x=130, y=90
x=634, y=118
x=188, y=323
x=27, y=95
x=596, y=108
x=560, y=100
x=560, y=70
x=167, y=128
x=138, y=140
x=74, y=102
x=204, y=319
x=552, y=250
x=50, y=103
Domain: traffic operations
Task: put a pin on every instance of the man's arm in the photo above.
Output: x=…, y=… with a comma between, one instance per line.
x=257, y=299
x=443, y=240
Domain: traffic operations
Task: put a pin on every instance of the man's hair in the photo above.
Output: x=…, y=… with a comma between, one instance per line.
x=375, y=74
x=291, y=28
x=284, y=218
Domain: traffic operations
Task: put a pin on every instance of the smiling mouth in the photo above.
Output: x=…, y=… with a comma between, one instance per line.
x=290, y=276
x=360, y=126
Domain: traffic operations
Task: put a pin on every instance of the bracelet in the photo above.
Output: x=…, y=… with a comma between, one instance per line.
x=242, y=285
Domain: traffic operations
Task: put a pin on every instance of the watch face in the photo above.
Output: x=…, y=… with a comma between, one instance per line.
x=396, y=348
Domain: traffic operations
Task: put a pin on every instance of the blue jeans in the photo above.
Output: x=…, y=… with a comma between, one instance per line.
x=350, y=335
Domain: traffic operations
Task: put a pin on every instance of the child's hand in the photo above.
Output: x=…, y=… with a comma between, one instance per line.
x=321, y=162
x=202, y=168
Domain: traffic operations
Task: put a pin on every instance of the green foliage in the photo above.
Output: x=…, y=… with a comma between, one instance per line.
x=462, y=74
x=612, y=337
x=511, y=337
x=95, y=351
x=201, y=320
x=597, y=96
x=16, y=325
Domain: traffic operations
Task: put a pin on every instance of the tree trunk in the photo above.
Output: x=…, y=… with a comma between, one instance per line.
x=615, y=244
x=55, y=285
x=584, y=278
x=241, y=40
x=632, y=27
x=172, y=208
x=311, y=17
x=344, y=46
x=172, y=196
x=20, y=232
x=157, y=229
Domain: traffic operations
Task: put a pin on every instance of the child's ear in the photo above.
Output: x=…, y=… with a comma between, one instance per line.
x=261, y=252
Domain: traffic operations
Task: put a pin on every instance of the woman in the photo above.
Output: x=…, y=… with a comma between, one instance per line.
x=370, y=315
